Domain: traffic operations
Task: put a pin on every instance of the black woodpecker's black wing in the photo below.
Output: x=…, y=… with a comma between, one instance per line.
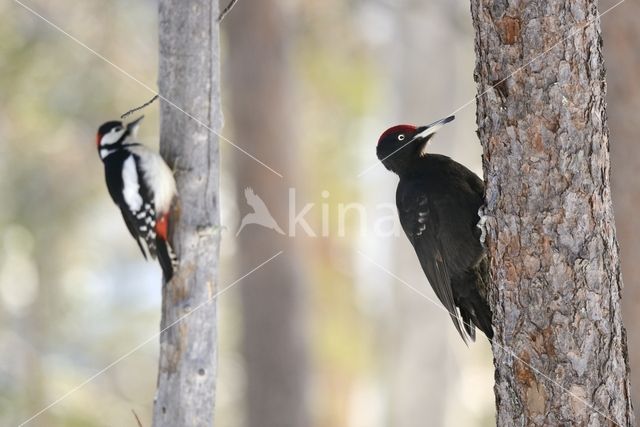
x=130, y=192
x=456, y=195
x=420, y=222
x=438, y=207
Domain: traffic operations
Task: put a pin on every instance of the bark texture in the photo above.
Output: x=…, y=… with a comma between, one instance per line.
x=273, y=298
x=622, y=38
x=189, y=77
x=560, y=347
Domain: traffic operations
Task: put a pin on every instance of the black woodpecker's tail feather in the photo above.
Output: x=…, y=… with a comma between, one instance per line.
x=166, y=258
x=460, y=327
x=473, y=308
x=482, y=317
x=468, y=323
x=475, y=312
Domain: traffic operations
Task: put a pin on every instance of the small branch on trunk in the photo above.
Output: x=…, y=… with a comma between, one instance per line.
x=137, y=418
x=133, y=110
x=226, y=10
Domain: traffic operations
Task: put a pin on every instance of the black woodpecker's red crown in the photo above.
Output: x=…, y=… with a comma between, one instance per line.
x=397, y=130
x=395, y=147
x=400, y=145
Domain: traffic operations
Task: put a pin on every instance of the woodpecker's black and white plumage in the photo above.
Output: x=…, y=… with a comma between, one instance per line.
x=438, y=201
x=143, y=187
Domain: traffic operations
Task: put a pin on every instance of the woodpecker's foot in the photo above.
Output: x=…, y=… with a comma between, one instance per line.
x=175, y=166
x=173, y=257
x=481, y=225
x=178, y=166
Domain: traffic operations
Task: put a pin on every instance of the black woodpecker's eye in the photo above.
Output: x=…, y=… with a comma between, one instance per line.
x=401, y=137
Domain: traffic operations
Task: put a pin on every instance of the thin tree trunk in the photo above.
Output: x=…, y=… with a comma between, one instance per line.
x=622, y=38
x=273, y=324
x=560, y=347
x=189, y=77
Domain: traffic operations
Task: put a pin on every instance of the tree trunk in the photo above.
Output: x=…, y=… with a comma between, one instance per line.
x=560, y=347
x=274, y=344
x=622, y=38
x=189, y=78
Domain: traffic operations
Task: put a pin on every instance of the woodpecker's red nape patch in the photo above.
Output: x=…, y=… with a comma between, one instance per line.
x=397, y=129
x=98, y=139
x=161, y=226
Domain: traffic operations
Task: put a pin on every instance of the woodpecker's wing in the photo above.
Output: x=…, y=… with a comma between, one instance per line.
x=455, y=195
x=420, y=221
x=130, y=192
x=139, y=203
x=130, y=221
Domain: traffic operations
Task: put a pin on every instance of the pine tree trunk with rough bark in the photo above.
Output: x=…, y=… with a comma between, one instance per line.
x=189, y=78
x=560, y=348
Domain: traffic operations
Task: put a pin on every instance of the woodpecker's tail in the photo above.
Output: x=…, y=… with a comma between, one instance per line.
x=474, y=310
x=477, y=313
x=483, y=317
x=166, y=258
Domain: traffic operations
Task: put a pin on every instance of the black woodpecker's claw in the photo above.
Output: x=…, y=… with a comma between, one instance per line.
x=481, y=225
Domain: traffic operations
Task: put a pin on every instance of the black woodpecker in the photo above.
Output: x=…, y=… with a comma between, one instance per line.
x=438, y=201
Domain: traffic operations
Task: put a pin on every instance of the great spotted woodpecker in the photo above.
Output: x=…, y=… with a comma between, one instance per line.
x=438, y=201
x=143, y=187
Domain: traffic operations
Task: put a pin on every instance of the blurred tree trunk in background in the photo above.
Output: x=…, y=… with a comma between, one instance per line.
x=38, y=326
x=622, y=53
x=189, y=76
x=560, y=347
x=419, y=354
x=274, y=344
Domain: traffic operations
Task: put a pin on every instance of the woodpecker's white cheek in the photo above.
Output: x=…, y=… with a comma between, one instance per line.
x=104, y=152
x=423, y=150
x=131, y=190
x=111, y=137
x=433, y=128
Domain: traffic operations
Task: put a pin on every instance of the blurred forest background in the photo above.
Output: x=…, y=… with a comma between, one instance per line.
x=321, y=336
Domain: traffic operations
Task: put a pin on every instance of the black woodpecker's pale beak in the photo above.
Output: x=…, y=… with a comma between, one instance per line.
x=425, y=132
x=132, y=128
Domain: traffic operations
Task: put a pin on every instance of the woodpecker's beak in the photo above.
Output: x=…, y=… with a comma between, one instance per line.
x=132, y=128
x=424, y=132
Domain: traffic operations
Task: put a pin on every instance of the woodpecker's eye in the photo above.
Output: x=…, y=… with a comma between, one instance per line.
x=116, y=129
x=401, y=137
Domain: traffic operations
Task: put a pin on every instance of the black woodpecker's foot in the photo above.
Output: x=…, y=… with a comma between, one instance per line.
x=481, y=225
